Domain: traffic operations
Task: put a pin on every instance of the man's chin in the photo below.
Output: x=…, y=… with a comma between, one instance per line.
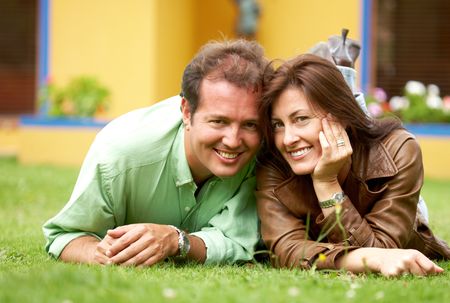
x=227, y=173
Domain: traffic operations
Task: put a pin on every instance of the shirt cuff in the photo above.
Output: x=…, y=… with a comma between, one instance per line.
x=60, y=242
x=220, y=249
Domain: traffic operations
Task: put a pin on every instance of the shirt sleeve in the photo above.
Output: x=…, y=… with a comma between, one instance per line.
x=233, y=233
x=88, y=212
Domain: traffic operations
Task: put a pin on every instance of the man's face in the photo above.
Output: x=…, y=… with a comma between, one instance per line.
x=222, y=136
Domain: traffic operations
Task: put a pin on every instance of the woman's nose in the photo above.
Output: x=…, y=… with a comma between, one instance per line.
x=290, y=137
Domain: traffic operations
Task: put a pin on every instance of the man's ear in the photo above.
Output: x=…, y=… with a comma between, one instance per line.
x=186, y=112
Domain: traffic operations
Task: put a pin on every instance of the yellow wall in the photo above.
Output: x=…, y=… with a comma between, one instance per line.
x=436, y=161
x=139, y=48
x=291, y=27
x=54, y=145
x=110, y=39
x=173, y=46
x=9, y=138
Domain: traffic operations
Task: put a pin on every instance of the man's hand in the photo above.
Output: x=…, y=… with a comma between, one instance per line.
x=138, y=244
x=389, y=262
x=102, y=247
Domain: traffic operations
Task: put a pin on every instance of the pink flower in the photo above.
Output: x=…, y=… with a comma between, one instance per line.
x=446, y=103
x=380, y=95
x=375, y=110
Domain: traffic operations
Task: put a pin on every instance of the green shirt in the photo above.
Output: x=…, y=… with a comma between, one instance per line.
x=136, y=172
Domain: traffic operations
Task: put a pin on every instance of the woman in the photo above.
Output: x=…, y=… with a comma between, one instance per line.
x=335, y=187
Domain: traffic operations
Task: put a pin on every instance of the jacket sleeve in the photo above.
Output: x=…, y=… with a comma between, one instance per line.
x=391, y=220
x=287, y=235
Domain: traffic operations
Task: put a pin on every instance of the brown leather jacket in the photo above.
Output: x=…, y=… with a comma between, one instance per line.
x=380, y=211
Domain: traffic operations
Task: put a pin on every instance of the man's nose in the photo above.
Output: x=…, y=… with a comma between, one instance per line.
x=232, y=137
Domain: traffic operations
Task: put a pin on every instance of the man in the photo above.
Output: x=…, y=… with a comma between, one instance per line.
x=159, y=182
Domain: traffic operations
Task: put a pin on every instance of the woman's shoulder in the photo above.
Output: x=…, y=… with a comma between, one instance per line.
x=385, y=158
x=399, y=141
x=271, y=172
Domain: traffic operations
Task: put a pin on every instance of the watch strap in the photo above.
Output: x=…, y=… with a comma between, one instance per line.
x=183, y=242
x=337, y=198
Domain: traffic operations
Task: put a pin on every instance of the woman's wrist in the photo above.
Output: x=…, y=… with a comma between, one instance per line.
x=360, y=260
x=325, y=190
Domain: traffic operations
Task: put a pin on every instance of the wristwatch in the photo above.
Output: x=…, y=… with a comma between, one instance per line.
x=337, y=198
x=183, y=242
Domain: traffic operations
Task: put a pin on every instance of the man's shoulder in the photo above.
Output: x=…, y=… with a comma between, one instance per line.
x=146, y=133
x=155, y=118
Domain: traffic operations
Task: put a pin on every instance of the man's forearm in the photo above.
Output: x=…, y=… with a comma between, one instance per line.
x=80, y=250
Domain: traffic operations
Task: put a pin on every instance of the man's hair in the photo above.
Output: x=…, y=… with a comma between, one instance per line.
x=324, y=88
x=239, y=62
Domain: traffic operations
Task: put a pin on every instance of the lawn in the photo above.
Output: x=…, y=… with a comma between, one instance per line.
x=31, y=194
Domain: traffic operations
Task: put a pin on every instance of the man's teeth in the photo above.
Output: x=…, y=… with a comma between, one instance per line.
x=300, y=152
x=227, y=155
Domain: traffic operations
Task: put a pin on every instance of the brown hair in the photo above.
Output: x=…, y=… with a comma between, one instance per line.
x=324, y=87
x=239, y=62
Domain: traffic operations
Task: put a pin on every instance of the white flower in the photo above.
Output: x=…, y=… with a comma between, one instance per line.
x=433, y=99
x=350, y=293
x=379, y=295
x=433, y=89
x=415, y=88
x=169, y=293
x=434, y=102
x=397, y=103
x=293, y=291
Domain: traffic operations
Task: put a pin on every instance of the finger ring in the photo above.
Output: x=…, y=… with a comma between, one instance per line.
x=340, y=142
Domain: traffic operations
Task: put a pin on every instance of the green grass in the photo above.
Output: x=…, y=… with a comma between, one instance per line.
x=31, y=194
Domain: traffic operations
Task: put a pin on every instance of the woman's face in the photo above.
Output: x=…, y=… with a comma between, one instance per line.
x=296, y=126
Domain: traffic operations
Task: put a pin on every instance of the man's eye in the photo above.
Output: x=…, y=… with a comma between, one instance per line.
x=217, y=121
x=251, y=125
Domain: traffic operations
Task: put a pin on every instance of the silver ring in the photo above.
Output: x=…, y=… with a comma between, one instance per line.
x=340, y=142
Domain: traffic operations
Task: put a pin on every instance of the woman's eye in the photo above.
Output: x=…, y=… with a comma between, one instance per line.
x=301, y=118
x=276, y=125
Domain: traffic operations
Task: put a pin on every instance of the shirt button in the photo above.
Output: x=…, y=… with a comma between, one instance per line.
x=187, y=208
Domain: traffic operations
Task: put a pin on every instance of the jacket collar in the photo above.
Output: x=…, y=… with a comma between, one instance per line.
x=381, y=164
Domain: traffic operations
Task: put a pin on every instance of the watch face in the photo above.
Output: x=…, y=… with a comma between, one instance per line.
x=339, y=197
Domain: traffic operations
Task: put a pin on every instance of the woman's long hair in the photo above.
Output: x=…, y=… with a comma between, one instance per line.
x=325, y=88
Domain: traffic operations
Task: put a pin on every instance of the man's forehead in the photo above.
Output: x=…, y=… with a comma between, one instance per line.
x=212, y=89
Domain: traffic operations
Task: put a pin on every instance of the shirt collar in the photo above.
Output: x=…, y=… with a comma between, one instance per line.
x=180, y=167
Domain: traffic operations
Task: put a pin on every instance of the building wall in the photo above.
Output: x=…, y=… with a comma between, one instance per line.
x=139, y=48
x=290, y=27
x=111, y=39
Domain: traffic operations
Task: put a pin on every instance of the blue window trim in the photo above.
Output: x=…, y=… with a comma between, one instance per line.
x=44, y=48
x=366, y=43
x=429, y=129
x=71, y=122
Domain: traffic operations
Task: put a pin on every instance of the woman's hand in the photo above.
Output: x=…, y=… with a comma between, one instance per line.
x=390, y=262
x=336, y=151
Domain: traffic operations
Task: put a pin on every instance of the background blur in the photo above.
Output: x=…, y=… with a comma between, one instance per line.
x=138, y=49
